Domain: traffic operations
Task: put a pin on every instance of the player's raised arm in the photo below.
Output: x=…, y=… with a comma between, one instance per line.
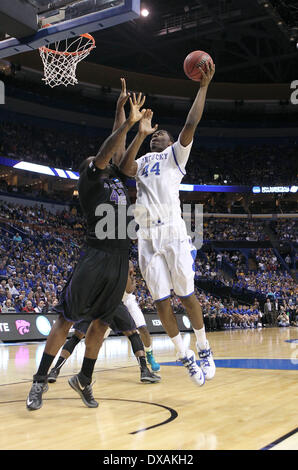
x=120, y=119
x=128, y=165
x=113, y=143
x=196, y=111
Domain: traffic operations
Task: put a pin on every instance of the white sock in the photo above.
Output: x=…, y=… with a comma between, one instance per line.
x=149, y=349
x=107, y=333
x=201, y=338
x=179, y=345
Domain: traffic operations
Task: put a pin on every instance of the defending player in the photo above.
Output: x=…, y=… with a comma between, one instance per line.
x=97, y=283
x=166, y=254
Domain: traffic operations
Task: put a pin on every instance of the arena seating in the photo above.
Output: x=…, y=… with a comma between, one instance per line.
x=39, y=249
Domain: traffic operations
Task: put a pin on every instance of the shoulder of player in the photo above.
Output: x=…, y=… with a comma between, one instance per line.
x=90, y=172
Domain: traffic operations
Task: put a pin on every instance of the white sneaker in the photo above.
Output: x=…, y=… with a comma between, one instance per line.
x=206, y=361
x=195, y=372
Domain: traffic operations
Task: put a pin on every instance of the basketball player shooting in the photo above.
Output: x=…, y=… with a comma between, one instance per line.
x=166, y=254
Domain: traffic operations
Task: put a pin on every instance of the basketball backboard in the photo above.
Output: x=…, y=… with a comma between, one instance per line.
x=67, y=18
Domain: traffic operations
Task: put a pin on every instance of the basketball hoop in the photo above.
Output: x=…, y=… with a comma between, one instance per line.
x=60, y=60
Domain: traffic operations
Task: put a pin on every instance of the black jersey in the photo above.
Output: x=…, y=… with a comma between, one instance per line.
x=103, y=195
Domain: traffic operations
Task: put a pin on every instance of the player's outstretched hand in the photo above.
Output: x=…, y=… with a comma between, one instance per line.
x=145, y=126
x=135, y=107
x=124, y=95
x=208, y=75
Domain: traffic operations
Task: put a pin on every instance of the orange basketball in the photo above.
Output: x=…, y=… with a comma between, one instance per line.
x=193, y=61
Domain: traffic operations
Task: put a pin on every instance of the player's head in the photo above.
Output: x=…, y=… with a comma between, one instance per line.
x=85, y=163
x=160, y=140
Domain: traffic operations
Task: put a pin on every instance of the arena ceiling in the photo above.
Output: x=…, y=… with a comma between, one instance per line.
x=250, y=41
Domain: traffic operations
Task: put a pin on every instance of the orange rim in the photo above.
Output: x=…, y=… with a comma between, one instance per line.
x=85, y=35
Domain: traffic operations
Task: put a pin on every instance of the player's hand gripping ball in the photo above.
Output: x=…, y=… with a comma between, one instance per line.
x=193, y=62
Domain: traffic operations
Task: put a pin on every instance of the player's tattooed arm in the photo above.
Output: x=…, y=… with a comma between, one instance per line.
x=128, y=165
x=196, y=111
x=113, y=143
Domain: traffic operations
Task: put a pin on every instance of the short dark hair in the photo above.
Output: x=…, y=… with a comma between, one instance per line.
x=84, y=164
x=171, y=137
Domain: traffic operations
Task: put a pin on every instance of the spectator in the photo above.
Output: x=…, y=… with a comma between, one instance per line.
x=28, y=307
x=41, y=308
x=8, y=307
x=17, y=237
x=3, y=271
x=2, y=294
x=13, y=291
x=283, y=318
x=19, y=303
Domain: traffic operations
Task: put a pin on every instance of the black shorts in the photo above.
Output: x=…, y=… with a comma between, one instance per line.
x=122, y=321
x=95, y=287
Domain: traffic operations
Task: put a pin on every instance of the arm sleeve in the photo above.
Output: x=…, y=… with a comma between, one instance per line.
x=181, y=153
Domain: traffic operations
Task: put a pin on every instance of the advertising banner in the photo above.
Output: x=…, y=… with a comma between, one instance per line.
x=28, y=327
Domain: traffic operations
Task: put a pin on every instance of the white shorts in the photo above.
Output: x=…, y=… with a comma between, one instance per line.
x=131, y=303
x=167, y=265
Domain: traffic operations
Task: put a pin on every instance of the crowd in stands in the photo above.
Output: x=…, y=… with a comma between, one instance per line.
x=245, y=165
x=45, y=146
x=37, y=221
x=38, y=250
x=221, y=228
x=268, y=278
x=67, y=149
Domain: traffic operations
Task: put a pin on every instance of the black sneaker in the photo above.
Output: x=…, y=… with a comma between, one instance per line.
x=52, y=377
x=34, y=400
x=84, y=392
x=149, y=377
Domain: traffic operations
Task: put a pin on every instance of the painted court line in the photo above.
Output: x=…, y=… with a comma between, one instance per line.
x=272, y=364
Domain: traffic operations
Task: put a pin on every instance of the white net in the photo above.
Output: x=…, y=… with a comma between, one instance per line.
x=60, y=60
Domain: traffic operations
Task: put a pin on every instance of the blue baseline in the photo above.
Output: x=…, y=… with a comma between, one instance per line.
x=272, y=364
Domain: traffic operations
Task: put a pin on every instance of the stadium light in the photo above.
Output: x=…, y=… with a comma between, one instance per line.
x=145, y=12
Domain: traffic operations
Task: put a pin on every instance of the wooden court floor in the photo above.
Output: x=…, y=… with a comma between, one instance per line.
x=251, y=404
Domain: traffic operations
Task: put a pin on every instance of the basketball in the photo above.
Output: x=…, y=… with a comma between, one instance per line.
x=193, y=61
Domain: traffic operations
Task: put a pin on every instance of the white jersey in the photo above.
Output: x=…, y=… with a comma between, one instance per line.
x=158, y=177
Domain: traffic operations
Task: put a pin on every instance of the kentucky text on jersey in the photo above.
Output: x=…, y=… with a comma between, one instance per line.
x=154, y=156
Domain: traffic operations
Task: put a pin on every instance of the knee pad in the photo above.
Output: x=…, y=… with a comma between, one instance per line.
x=71, y=343
x=136, y=342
